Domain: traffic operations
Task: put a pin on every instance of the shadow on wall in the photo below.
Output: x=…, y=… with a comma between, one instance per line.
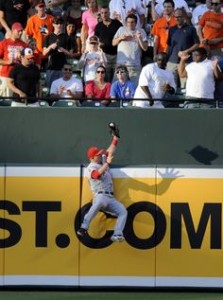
x=203, y=155
x=149, y=187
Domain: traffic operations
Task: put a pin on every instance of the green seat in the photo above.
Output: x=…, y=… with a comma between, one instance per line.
x=64, y=103
x=115, y=103
x=175, y=100
x=91, y=104
x=43, y=103
x=5, y=102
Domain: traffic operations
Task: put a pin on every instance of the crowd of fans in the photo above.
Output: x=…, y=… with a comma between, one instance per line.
x=143, y=52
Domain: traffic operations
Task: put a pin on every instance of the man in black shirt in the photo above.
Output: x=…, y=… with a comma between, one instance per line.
x=24, y=80
x=55, y=46
x=105, y=31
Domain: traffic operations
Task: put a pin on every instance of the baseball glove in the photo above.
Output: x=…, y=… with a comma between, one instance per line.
x=114, y=130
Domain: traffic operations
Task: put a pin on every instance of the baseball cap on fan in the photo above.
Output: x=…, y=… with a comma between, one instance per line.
x=93, y=151
x=17, y=26
x=93, y=39
x=27, y=53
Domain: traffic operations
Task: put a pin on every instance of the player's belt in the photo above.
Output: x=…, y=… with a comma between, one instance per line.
x=107, y=193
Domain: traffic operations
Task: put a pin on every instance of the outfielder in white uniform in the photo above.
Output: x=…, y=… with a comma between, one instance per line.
x=101, y=184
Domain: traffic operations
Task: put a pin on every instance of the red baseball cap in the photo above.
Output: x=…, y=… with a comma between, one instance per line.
x=93, y=151
x=17, y=26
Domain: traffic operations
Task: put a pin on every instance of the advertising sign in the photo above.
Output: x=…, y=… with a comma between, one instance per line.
x=173, y=233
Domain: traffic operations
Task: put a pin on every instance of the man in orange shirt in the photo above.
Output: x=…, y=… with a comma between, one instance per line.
x=210, y=29
x=10, y=55
x=39, y=25
x=161, y=28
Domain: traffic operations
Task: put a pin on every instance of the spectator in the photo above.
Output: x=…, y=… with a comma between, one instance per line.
x=24, y=81
x=39, y=26
x=154, y=82
x=219, y=83
x=220, y=68
x=182, y=37
x=74, y=14
x=91, y=59
x=55, y=47
x=74, y=42
x=10, y=54
x=145, y=5
x=56, y=7
x=130, y=42
x=123, y=87
x=37, y=57
x=158, y=8
x=200, y=78
x=210, y=29
x=99, y=89
x=105, y=31
x=201, y=7
x=161, y=27
x=12, y=12
x=120, y=9
x=89, y=21
x=68, y=86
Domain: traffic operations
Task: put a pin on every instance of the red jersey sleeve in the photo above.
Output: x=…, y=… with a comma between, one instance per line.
x=95, y=174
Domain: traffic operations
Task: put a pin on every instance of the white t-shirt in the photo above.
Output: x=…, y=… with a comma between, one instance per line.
x=200, y=80
x=129, y=52
x=91, y=61
x=73, y=84
x=122, y=8
x=153, y=77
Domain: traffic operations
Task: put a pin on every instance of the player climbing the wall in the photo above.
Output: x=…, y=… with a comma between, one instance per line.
x=101, y=184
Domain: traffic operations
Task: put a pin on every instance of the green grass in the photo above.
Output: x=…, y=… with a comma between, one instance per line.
x=76, y=295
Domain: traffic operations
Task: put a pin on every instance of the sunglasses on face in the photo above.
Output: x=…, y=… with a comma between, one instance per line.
x=67, y=69
x=100, y=71
x=121, y=72
x=215, y=3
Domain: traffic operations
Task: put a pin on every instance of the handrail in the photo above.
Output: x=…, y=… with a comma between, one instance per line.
x=119, y=103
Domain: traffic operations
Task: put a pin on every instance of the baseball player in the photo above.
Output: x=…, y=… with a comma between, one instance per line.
x=101, y=184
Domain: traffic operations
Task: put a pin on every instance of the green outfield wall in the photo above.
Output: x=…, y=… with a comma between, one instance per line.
x=167, y=173
x=62, y=135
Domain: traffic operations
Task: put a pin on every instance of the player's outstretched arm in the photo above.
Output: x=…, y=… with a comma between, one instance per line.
x=112, y=148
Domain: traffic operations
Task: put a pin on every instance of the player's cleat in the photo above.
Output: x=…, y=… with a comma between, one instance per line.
x=81, y=232
x=117, y=238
